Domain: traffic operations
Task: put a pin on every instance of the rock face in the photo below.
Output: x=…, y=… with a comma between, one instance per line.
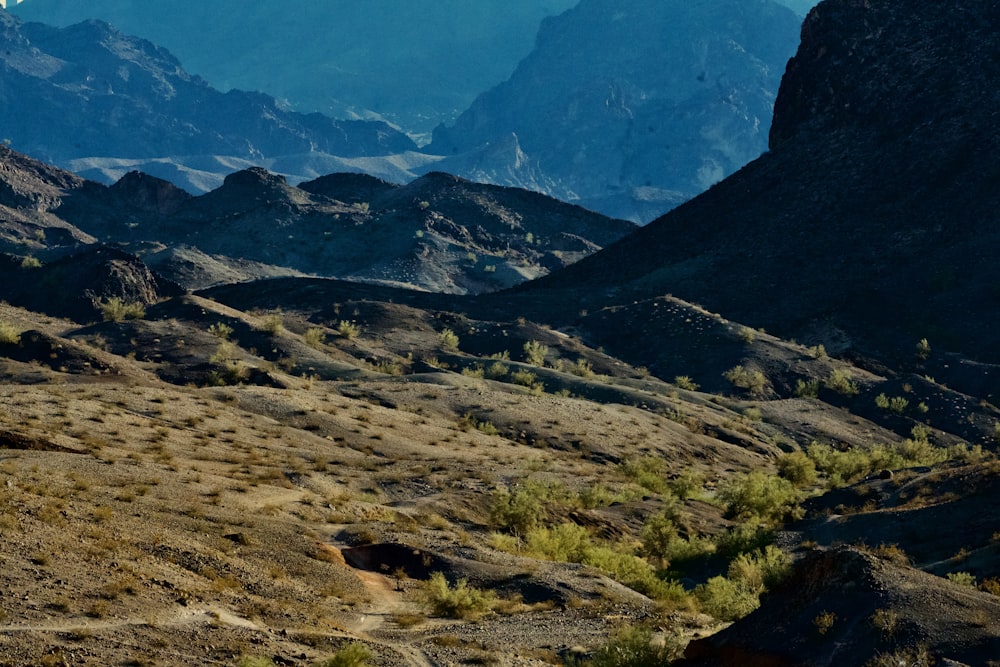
x=89, y=91
x=633, y=107
x=414, y=62
x=873, y=608
x=870, y=223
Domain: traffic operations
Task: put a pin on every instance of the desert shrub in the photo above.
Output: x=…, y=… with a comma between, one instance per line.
x=9, y=335
x=256, y=661
x=910, y=657
x=749, y=379
x=448, y=339
x=817, y=351
x=962, y=579
x=685, y=382
x=797, y=468
x=896, y=404
x=348, y=330
x=738, y=593
x=923, y=349
x=30, y=262
x=534, y=353
x=658, y=535
x=272, y=324
x=529, y=380
x=220, y=330
x=496, y=371
x=756, y=494
x=807, y=388
x=635, y=647
x=746, y=334
x=744, y=537
x=582, y=368
x=841, y=381
x=648, y=472
x=354, y=654
x=116, y=309
x=314, y=337
x=824, y=622
x=566, y=542
x=634, y=572
x=686, y=485
x=520, y=511
x=459, y=601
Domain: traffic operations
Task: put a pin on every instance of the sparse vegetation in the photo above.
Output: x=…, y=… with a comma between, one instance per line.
x=9, y=335
x=448, y=339
x=534, y=353
x=842, y=382
x=348, y=330
x=458, y=601
x=752, y=380
x=116, y=309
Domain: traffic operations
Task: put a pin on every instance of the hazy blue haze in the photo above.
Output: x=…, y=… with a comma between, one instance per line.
x=415, y=62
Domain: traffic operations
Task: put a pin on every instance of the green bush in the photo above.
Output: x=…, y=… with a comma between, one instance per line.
x=30, y=262
x=348, y=330
x=797, y=468
x=9, y=335
x=354, y=654
x=459, y=601
x=448, y=339
x=751, y=380
x=116, y=309
x=635, y=647
x=314, y=337
x=842, y=382
x=759, y=495
x=807, y=388
x=534, y=353
x=221, y=330
x=685, y=382
x=272, y=324
x=737, y=594
x=648, y=472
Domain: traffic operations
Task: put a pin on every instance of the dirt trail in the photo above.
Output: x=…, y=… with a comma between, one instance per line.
x=385, y=601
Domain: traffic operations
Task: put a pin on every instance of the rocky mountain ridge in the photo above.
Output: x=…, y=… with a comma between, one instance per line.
x=670, y=99
x=414, y=63
x=438, y=233
x=82, y=95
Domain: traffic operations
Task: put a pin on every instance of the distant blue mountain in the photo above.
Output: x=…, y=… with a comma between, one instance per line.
x=413, y=62
x=88, y=91
x=630, y=107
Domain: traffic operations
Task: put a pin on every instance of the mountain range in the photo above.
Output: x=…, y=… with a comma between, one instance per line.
x=414, y=63
x=670, y=101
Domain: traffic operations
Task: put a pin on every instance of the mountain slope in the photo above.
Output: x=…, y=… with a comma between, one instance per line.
x=89, y=91
x=439, y=233
x=633, y=107
x=869, y=225
x=414, y=62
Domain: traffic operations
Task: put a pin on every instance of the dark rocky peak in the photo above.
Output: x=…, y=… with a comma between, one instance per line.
x=889, y=67
x=148, y=193
x=348, y=187
x=250, y=189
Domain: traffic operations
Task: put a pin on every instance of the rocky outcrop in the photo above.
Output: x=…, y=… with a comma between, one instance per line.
x=632, y=107
x=845, y=606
